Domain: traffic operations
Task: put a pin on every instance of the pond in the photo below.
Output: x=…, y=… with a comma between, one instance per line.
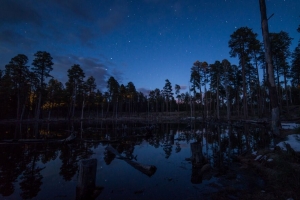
x=50, y=170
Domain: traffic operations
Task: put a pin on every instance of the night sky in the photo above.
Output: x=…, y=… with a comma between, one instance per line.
x=142, y=41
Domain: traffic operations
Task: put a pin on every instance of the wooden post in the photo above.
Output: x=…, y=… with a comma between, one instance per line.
x=196, y=178
x=197, y=157
x=86, y=179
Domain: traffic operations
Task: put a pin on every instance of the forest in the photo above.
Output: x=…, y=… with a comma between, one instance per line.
x=218, y=89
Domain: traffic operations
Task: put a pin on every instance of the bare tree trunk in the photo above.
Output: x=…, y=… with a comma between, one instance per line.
x=107, y=109
x=209, y=106
x=218, y=101
x=228, y=101
x=290, y=96
x=37, y=113
x=18, y=107
x=259, y=102
x=250, y=99
x=244, y=87
x=81, y=121
x=238, y=102
x=205, y=103
x=73, y=103
x=102, y=110
x=286, y=95
x=271, y=82
x=279, y=91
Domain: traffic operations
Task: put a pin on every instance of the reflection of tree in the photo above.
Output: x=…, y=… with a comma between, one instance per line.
x=49, y=153
x=7, y=186
x=22, y=159
x=168, y=150
x=154, y=142
x=178, y=148
x=69, y=163
x=31, y=180
x=261, y=137
x=12, y=165
x=84, y=150
x=168, y=140
x=70, y=154
x=188, y=136
x=128, y=149
x=234, y=139
x=219, y=148
x=68, y=168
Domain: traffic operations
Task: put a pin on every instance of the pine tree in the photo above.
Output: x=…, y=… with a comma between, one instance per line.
x=240, y=43
x=74, y=87
x=167, y=90
x=18, y=72
x=42, y=66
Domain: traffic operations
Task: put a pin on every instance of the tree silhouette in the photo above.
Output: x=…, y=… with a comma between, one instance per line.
x=18, y=72
x=55, y=91
x=226, y=80
x=91, y=86
x=42, y=66
x=240, y=44
x=167, y=90
x=74, y=87
x=295, y=69
x=216, y=72
x=131, y=94
x=31, y=179
x=280, y=43
x=113, y=90
x=12, y=166
x=177, y=92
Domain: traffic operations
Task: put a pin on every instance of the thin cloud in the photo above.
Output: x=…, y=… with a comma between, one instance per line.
x=14, y=38
x=90, y=66
x=76, y=8
x=144, y=91
x=10, y=37
x=117, y=74
x=69, y=22
x=113, y=19
x=16, y=12
x=183, y=87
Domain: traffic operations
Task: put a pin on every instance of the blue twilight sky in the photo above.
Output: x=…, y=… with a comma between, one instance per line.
x=142, y=41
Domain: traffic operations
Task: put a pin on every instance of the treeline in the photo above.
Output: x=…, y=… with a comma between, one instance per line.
x=25, y=94
x=238, y=87
x=221, y=86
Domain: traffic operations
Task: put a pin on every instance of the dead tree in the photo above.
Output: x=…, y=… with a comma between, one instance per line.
x=270, y=69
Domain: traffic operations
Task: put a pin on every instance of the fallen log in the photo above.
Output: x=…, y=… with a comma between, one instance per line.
x=149, y=170
x=101, y=141
x=70, y=138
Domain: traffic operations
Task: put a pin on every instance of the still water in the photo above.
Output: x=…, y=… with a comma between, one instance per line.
x=50, y=170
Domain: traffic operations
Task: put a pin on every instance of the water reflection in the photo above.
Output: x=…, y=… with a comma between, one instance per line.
x=24, y=167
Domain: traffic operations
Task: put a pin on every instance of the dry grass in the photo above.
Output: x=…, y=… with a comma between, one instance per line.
x=282, y=175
